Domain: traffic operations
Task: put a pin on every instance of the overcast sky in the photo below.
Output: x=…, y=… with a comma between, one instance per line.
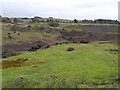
x=68, y=9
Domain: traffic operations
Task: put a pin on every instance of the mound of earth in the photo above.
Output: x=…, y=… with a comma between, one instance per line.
x=70, y=49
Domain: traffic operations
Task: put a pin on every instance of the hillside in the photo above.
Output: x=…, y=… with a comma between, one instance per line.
x=92, y=65
x=59, y=55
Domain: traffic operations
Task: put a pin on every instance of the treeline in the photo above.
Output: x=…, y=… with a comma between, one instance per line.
x=101, y=21
x=51, y=19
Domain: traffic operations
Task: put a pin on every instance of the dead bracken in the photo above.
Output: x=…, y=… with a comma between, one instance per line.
x=13, y=63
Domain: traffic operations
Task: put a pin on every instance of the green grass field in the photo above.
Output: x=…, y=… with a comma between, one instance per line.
x=88, y=66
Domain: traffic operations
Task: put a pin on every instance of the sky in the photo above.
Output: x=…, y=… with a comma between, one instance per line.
x=66, y=9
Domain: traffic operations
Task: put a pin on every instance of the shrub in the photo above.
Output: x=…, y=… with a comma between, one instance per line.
x=53, y=24
x=29, y=27
x=6, y=20
x=84, y=41
x=70, y=49
x=9, y=36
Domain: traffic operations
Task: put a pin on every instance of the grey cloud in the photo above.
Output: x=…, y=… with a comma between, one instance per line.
x=71, y=9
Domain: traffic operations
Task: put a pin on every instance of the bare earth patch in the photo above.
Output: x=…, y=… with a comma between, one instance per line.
x=19, y=63
x=13, y=63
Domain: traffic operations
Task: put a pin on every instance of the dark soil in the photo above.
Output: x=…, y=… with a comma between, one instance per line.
x=76, y=36
x=11, y=49
x=100, y=28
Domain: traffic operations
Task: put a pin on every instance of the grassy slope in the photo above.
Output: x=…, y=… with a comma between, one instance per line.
x=88, y=66
x=32, y=35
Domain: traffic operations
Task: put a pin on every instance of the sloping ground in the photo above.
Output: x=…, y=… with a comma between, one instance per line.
x=89, y=65
x=70, y=36
x=100, y=28
x=12, y=49
x=77, y=36
x=24, y=46
x=23, y=38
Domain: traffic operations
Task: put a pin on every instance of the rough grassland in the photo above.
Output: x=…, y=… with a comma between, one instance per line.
x=89, y=66
x=28, y=36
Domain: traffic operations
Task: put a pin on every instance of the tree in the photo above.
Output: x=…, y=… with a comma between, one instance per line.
x=75, y=21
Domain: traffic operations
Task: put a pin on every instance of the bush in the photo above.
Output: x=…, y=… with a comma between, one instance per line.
x=15, y=20
x=84, y=41
x=53, y=24
x=70, y=49
x=6, y=20
x=29, y=27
